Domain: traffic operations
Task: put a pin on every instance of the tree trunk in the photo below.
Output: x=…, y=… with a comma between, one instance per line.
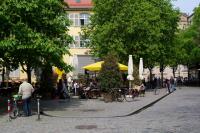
x=199, y=77
x=3, y=74
x=162, y=79
x=188, y=70
x=174, y=69
x=161, y=70
x=28, y=71
x=151, y=78
x=46, y=84
x=7, y=73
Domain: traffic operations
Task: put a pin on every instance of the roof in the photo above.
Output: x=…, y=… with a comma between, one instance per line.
x=79, y=3
x=184, y=14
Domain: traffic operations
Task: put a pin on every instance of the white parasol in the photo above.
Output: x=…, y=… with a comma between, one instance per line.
x=75, y=65
x=73, y=61
x=141, y=69
x=130, y=70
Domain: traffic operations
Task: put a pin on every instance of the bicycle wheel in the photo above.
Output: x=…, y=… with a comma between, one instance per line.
x=129, y=97
x=119, y=97
x=14, y=113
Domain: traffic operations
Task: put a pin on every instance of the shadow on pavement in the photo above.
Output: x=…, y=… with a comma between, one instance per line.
x=45, y=105
x=3, y=105
x=57, y=105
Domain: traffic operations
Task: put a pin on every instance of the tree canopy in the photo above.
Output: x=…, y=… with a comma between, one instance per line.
x=189, y=41
x=141, y=28
x=33, y=33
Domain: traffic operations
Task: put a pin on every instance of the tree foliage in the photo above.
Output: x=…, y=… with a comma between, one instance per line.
x=109, y=75
x=34, y=32
x=189, y=41
x=141, y=28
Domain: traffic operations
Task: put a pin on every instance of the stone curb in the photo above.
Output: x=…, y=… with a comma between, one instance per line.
x=145, y=107
x=130, y=114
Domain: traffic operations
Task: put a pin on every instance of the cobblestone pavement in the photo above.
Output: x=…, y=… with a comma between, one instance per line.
x=176, y=113
x=97, y=107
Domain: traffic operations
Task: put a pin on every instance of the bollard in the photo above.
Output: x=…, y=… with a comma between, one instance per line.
x=9, y=109
x=38, y=103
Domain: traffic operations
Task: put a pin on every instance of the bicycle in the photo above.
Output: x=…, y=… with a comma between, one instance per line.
x=14, y=113
x=117, y=94
x=121, y=94
x=130, y=94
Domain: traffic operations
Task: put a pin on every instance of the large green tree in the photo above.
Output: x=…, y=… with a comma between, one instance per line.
x=35, y=33
x=141, y=28
x=195, y=29
x=188, y=42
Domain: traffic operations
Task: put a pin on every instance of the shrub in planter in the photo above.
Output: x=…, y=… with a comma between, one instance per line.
x=136, y=81
x=109, y=75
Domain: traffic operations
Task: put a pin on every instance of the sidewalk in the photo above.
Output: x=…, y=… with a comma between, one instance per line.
x=96, y=108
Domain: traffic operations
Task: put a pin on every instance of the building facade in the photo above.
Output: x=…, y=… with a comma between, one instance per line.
x=184, y=21
x=78, y=12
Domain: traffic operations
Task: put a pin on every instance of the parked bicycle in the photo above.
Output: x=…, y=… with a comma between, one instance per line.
x=130, y=94
x=121, y=94
x=117, y=94
x=15, y=106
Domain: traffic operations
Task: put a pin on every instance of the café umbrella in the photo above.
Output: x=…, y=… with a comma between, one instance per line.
x=75, y=65
x=130, y=70
x=141, y=69
x=97, y=66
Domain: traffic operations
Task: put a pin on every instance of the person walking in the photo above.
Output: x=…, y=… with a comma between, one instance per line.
x=167, y=81
x=155, y=85
x=26, y=90
x=172, y=84
x=69, y=83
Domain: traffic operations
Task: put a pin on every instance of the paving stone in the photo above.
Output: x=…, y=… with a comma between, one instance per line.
x=177, y=113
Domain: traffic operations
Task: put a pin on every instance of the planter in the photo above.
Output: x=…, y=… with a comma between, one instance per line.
x=107, y=97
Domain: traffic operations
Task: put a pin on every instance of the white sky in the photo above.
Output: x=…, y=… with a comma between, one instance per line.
x=186, y=6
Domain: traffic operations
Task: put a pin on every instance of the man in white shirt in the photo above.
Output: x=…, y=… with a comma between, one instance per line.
x=69, y=83
x=26, y=90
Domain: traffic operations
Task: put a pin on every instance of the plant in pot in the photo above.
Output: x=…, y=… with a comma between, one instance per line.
x=137, y=81
x=109, y=76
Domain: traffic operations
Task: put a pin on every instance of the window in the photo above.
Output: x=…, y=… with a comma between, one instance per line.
x=84, y=19
x=79, y=42
x=76, y=43
x=83, y=42
x=184, y=26
x=79, y=20
x=74, y=18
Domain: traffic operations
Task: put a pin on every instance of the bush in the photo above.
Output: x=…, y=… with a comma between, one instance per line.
x=136, y=80
x=109, y=75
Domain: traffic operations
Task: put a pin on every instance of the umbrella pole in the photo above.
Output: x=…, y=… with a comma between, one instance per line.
x=130, y=86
